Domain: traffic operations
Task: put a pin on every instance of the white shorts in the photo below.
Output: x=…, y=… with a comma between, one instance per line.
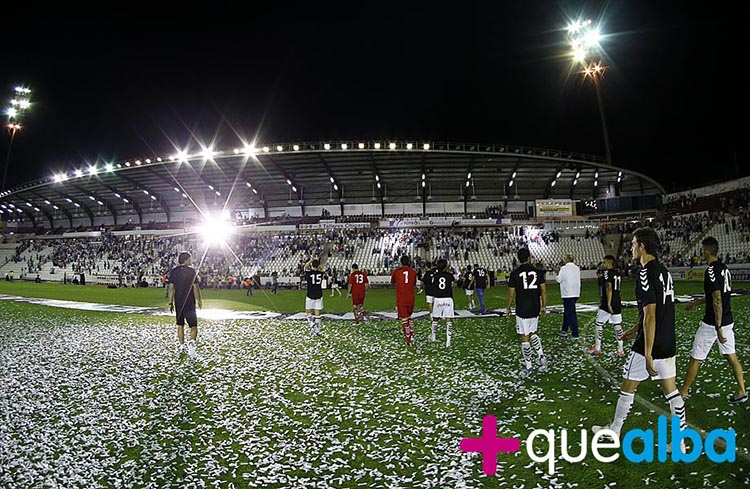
x=603, y=317
x=313, y=304
x=705, y=338
x=429, y=299
x=335, y=285
x=526, y=326
x=635, y=368
x=442, y=308
x=469, y=291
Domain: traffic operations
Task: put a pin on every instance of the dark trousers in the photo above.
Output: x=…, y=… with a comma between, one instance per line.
x=570, y=319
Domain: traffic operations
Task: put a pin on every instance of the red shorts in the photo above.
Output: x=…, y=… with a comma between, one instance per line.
x=358, y=299
x=405, y=311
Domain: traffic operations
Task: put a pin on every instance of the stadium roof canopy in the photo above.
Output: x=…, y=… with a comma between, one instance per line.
x=322, y=173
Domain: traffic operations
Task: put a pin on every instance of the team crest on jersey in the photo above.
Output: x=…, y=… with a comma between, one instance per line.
x=644, y=279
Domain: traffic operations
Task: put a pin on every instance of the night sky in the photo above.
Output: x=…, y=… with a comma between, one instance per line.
x=120, y=85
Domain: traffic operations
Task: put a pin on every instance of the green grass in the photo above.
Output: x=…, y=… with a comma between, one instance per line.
x=102, y=399
x=294, y=300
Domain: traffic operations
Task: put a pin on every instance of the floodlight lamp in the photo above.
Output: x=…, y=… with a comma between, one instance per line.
x=510, y=184
x=554, y=182
x=361, y=145
x=392, y=146
x=409, y=146
x=207, y=153
x=109, y=167
x=158, y=158
x=376, y=145
x=344, y=146
x=215, y=230
x=332, y=180
x=579, y=55
x=266, y=149
x=295, y=147
x=279, y=148
x=335, y=187
x=558, y=174
x=426, y=146
x=11, y=112
x=79, y=173
x=294, y=189
x=469, y=176
x=327, y=146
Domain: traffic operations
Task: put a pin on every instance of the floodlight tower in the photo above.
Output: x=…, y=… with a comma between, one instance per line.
x=19, y=104
x=584, y=38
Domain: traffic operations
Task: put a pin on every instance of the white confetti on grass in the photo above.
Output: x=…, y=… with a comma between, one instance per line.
x=103, y=399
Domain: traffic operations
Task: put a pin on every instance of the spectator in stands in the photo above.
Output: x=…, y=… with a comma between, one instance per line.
x=569, y=278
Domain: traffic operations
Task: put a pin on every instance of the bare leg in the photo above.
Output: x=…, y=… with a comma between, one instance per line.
x=738, y=374
x=692, y=372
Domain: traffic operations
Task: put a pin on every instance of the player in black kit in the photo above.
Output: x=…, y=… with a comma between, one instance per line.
x=653, y=352
x=610, y=306
x=717, y=286
x=527, y=285
x=314, y=298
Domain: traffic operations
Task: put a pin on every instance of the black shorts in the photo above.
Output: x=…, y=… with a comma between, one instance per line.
x=188, y=315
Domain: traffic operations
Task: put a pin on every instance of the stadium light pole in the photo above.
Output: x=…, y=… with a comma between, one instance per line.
x=15, y=112
x=584, y=39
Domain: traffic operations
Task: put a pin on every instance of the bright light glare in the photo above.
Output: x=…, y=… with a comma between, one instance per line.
x=215, y=230
x=12, y=112
x=592, y=38
x=579, y=55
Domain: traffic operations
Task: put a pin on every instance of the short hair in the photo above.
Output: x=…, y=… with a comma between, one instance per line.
x=611, y=258
x=711, y=245
x=315, y=263
x=355, y=266
x=468, y=267
x=569, y=258
x=183, y=257
x=649, y=239
x=523, y=255
x=405, y=260
x=476, y=265
x=441, y=264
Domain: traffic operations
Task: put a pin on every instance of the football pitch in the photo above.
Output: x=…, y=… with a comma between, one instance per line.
x=103, y=399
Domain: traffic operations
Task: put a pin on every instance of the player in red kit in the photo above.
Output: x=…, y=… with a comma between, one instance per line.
x=405, y=278
x=358, y=285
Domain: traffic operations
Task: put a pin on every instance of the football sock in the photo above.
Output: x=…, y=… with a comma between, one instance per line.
x=526, y=351
x=618, y=334
x=434, y=328
x=624, y=403
x=599, y=335
x=677, y=407
x=537, y=344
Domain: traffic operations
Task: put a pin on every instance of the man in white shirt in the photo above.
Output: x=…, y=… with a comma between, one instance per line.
x=569, y=278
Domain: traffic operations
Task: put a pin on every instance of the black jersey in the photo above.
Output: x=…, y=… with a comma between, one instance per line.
x=429, y=283
x=182, y=278
x=467, y=281
x=718, y=277
x=654, y=286
x=527, y=281
x=614, y=278
x=600, y=282
x=443, y=285
x=314, y=284
x=480, y=278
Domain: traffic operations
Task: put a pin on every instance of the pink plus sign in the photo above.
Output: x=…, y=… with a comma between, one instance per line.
x=489, y=445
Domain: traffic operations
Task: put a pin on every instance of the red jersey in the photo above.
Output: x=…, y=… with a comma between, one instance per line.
x=358, y=279
x=405, y=279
